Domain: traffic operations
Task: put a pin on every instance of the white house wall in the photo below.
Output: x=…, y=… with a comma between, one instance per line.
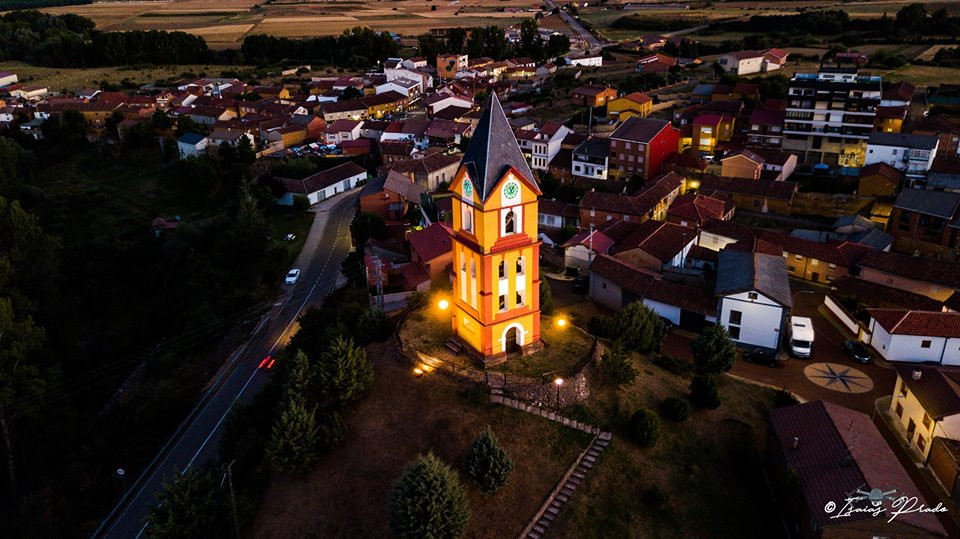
x=907, y=348
x=605, y=292
x=760, y=320
x=670, y=312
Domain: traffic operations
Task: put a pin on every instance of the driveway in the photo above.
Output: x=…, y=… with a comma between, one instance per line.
x=811, y=385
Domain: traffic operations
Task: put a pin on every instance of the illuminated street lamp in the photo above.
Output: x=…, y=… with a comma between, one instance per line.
x=443, y=304
x=561, y=322
x=558, y=382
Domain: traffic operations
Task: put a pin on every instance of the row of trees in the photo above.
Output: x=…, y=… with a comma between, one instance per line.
x=72, y=41
x=491, y=41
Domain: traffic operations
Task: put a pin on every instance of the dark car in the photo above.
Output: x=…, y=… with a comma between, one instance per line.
x=581, y=285
x=858, y=352
x=763, y=356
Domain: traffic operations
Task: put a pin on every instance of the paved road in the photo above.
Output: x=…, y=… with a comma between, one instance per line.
x=592, y=42
x=325, y=248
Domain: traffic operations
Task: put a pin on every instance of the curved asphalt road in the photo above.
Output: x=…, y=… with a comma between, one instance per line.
x=198, y=438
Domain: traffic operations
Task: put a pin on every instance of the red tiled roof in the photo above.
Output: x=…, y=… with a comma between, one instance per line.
x=783, y=190
x=686, y=161
x=881, y=169
x=322, y=179
x=647, y=284
x=920, y=323
x=698, y=208
x=638, y=97
x=595, y=240
x=892, y=113
x=660, y=239
x=414, y=275
x=431, y=242
x=873, y=294
x=914, y=267
x=842, y=253
x=937, y=389
x=638, y=204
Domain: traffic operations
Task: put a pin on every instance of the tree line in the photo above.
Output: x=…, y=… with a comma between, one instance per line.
x=492, y=42
x=72, y=41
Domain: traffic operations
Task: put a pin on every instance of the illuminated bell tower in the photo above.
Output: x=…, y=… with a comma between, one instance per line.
x=496, y=287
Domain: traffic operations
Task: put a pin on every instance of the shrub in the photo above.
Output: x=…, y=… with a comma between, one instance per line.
x=186, y=504
x=301, y=203
x=644, y=427
x=671, y=364
x=655, y=496
x=639, y=327
x=714, y=350
x=616, y=366
x=546, y=298
x=704, y=392
x=675, y=409
x=332, y=430
x=428, y=501
x=602, y=326
x=488, y=463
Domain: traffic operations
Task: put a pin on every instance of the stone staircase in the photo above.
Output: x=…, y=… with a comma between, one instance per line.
x=567, y=486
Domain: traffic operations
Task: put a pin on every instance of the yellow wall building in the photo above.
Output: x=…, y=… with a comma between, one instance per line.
x=496, y=288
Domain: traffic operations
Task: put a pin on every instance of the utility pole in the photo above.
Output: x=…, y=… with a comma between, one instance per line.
x=233, y=499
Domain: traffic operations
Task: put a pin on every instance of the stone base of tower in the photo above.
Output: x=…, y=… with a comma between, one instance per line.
x=503, y=357
x=493, y=344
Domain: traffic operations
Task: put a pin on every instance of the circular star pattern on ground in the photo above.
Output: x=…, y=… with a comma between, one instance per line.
x=838, y=377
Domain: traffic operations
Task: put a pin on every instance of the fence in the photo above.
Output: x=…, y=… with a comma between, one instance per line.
x=846, y=318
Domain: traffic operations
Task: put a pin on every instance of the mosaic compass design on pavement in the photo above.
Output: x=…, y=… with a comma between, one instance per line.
x=838, y=377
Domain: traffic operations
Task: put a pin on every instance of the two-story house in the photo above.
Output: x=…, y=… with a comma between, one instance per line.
x=594, y=95
x=927, y=216
x=909, y=153
x=656, y=245
x=926, y=402
x=707, y=131
x=632, y=104
x=639, y=146
x=590, y=159
x=651, y=202
x=754, y=297
x=766, y=128
x=937, y=279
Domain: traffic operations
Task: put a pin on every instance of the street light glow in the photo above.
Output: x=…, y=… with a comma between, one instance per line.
x=443, y=304
x=558, y=381
x=561, y=322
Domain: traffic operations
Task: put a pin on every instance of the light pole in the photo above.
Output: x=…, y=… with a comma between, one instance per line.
x=558, y=382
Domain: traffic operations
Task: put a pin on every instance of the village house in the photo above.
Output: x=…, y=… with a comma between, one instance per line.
x=937, y=279
x=406, y=87
x=818, y=262
x=540, y=146
x=616, y=283
x=755, y=195
x=593, y=95
x=829, y=452
x=392, y=197
x=652, y=202
x=580, y=250
x=926, y=403
x=695, y=209
x=352, y=109
x=428, y=170
x=341, y=130
x=412, y=130
x=192, y=145
x=927, y=216
x=909, y=153
x=878, y=180
x=749, y=62
x=656, y=245
x=754, y=297
x=586, y=60
x=589, y=159
x=632, y=104
x=322, y=185
x=639, y=145
x=432, y=249
x=553, y=214
x=766, y=128
x=708, y=130
x=916, y=336
x=7, y=78
x=656, y=63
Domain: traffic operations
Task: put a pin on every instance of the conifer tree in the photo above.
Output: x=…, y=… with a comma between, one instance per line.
x=488, y=463
x=428, y=501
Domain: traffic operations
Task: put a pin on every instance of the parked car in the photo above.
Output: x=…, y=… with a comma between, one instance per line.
x=858, y=352
x=292, y=276
x=763, y=356
x=581, y=284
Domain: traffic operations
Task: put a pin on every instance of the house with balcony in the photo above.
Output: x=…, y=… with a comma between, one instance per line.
x=590, y=159
x=830, y=116
x=909, y=153
x=540, y=146
x=766, y=128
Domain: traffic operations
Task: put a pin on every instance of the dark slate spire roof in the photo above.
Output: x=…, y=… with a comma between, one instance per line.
x=493, y=149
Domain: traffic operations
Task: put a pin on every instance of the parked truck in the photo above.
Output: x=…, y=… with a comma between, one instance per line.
x=801, y=336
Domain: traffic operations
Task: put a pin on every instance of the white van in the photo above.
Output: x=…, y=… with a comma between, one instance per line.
x=801, y=336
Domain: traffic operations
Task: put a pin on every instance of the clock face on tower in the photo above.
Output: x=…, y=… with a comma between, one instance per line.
x=511, y=189
x=467, y=188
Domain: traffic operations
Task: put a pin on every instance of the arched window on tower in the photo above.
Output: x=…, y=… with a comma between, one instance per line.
x=510, y=225
x=503, y=269
x=467, y=215
x=521, y=263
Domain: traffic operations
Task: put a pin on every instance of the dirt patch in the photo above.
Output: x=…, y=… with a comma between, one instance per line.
x=346, y=494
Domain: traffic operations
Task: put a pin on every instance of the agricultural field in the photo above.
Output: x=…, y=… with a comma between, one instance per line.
x=224, y=23
x=57, y=79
